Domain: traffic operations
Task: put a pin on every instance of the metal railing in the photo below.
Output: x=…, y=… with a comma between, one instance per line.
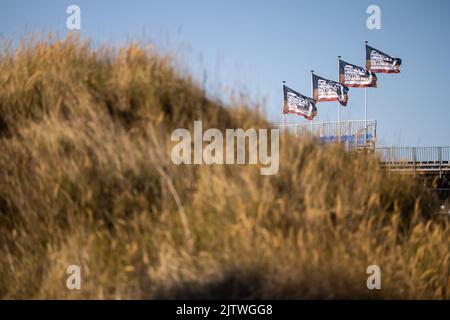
x=355, y=134
x=417, y=159
x=352, y=133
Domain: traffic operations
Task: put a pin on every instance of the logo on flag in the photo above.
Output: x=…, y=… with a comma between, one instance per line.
x=297, y=103
x=354, y=76
x=329, y=90
x=380, y=62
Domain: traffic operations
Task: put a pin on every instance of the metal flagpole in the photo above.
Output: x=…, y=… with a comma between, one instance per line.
x=365, y=109
x=365, y=115
x=339, y=110
x=312, y=93
x=282, y=109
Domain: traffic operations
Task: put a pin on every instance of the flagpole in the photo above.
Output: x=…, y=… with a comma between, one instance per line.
x=339, y=109
x=312, y=93
x=365, y=114
x=365, y=109
x=282, y=109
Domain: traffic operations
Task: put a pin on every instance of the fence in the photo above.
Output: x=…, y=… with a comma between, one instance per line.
x=417, y=159
x=353, y=133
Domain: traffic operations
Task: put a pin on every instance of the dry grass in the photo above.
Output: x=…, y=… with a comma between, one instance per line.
x=86, y=179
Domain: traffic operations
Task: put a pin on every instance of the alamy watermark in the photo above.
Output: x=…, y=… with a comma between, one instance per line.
x=233, y=151
x=73, y=21
x=374, y=20
x=73, y=281
x=374, y=280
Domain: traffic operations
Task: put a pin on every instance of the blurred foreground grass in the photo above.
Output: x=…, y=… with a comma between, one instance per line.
x=86, y=179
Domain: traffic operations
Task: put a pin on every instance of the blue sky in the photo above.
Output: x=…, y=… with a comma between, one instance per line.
x=254, y=45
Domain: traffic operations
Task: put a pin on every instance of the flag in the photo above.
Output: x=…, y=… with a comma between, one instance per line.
x=329, y=90
x=380, y=62
x=354, y=76
x=297, y=103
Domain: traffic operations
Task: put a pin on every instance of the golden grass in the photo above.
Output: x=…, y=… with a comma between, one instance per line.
x=86, y=179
